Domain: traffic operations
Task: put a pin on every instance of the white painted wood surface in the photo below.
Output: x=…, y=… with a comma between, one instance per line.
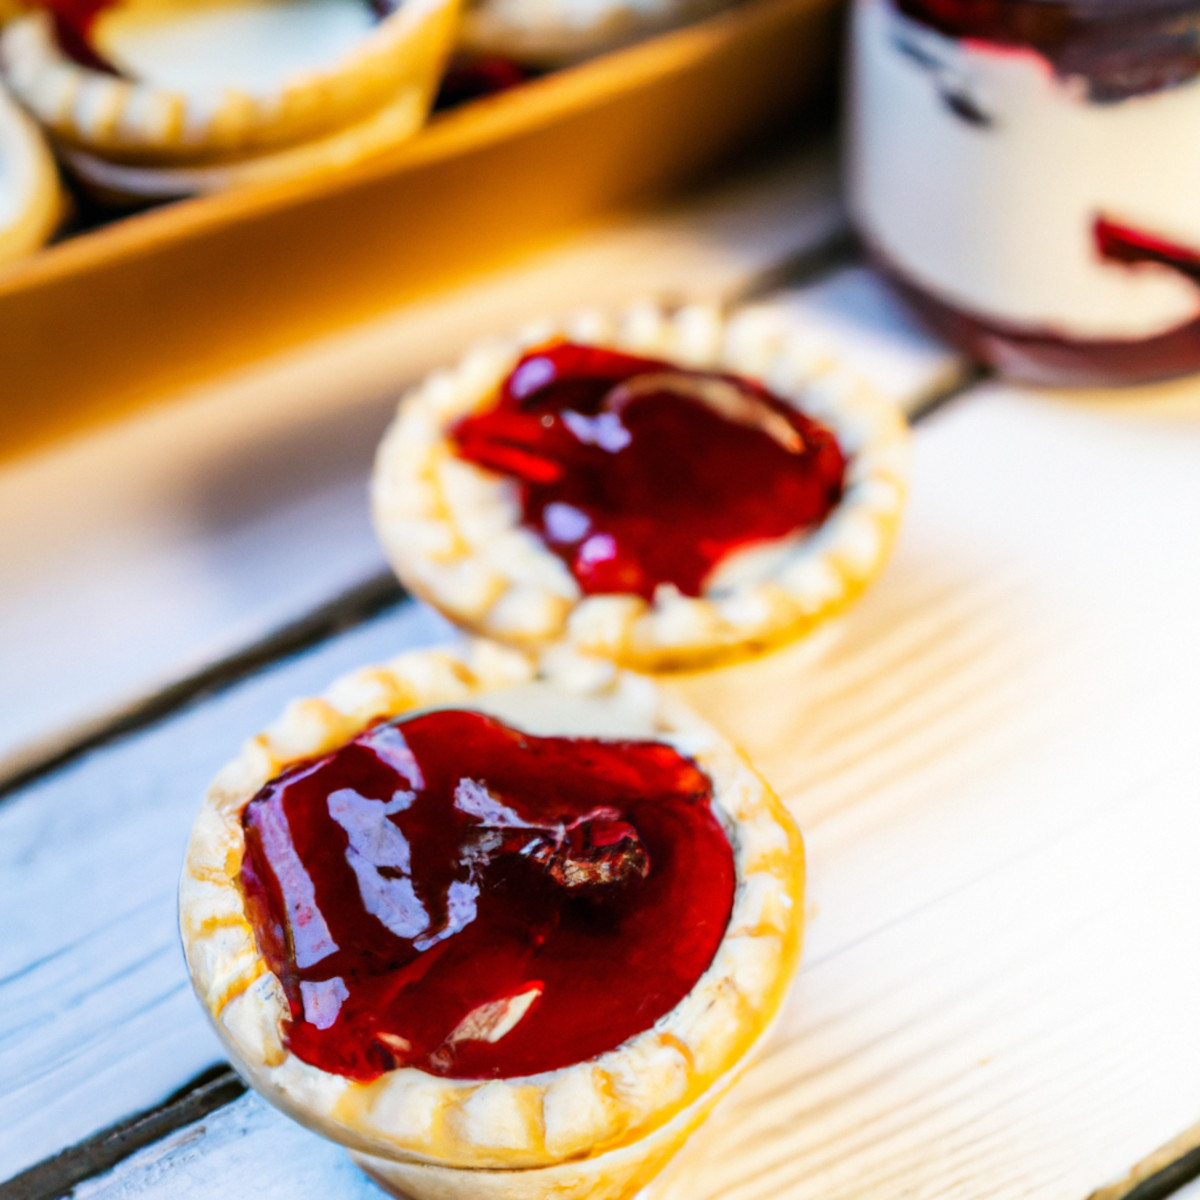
x=996, y=771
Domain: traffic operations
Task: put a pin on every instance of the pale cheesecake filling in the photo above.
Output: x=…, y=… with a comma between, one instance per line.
x=202, y=49
x=980, y=174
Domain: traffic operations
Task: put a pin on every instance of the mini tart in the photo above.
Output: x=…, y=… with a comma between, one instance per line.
x=453, y=531
x=31, y=200
x=553, y=33
x=158, y=118
x=599, y=1128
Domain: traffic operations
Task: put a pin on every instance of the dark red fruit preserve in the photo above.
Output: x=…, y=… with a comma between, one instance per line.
x=637, y=473
x=449, y=893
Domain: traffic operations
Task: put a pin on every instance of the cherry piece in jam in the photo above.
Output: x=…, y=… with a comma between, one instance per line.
x=638, y=473
x=449, y=893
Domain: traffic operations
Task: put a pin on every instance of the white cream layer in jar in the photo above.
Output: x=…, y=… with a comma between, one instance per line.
x=979, y=173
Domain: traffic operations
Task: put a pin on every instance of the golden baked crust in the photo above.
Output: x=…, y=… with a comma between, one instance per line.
x=31, y=200
x=133, y=121
x=452, y=530
x=649, y=1091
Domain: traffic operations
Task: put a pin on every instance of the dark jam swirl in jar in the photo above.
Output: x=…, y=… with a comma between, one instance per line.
x=638, y=473
x=449, y=893
x=1027, y=172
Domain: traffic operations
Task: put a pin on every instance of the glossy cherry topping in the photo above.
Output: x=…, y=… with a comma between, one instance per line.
x=638, y=473
x=449, y=893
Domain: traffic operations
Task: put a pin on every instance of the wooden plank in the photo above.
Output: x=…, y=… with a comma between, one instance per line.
x=96, y=1020
x=995, y=770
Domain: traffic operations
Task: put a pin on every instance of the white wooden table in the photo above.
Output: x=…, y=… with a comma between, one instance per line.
x=997, y=766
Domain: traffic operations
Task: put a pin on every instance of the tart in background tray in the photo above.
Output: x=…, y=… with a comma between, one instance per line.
x=166, y=298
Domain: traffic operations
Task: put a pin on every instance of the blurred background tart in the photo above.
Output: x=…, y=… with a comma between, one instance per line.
x=164, y=84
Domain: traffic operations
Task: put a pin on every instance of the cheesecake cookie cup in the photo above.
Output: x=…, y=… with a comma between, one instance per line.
x=171, y=82
x=667, y=490
x=499, y=932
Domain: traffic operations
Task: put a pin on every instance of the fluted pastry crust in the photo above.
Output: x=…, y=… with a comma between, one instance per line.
x=134, y=121
x=653, y=1088
x=452, y=529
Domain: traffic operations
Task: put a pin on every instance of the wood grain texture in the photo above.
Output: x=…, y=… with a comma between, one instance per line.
x=995, y=767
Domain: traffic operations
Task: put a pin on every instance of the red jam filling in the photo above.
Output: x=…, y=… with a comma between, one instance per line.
x=638, y=473
x=449, y=893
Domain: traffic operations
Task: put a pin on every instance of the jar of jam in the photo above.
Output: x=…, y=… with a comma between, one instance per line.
x=1028, y=173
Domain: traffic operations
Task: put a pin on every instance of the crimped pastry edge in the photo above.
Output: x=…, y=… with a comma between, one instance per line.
x=134, y=121
x=573, y=1113
x=451, y=530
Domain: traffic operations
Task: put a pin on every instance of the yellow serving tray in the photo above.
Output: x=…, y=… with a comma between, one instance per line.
x=113, y=318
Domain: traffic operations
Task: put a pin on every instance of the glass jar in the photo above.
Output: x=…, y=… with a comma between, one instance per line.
x=1028, y=173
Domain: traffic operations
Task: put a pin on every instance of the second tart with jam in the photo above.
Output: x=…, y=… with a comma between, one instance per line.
x=667, y=491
